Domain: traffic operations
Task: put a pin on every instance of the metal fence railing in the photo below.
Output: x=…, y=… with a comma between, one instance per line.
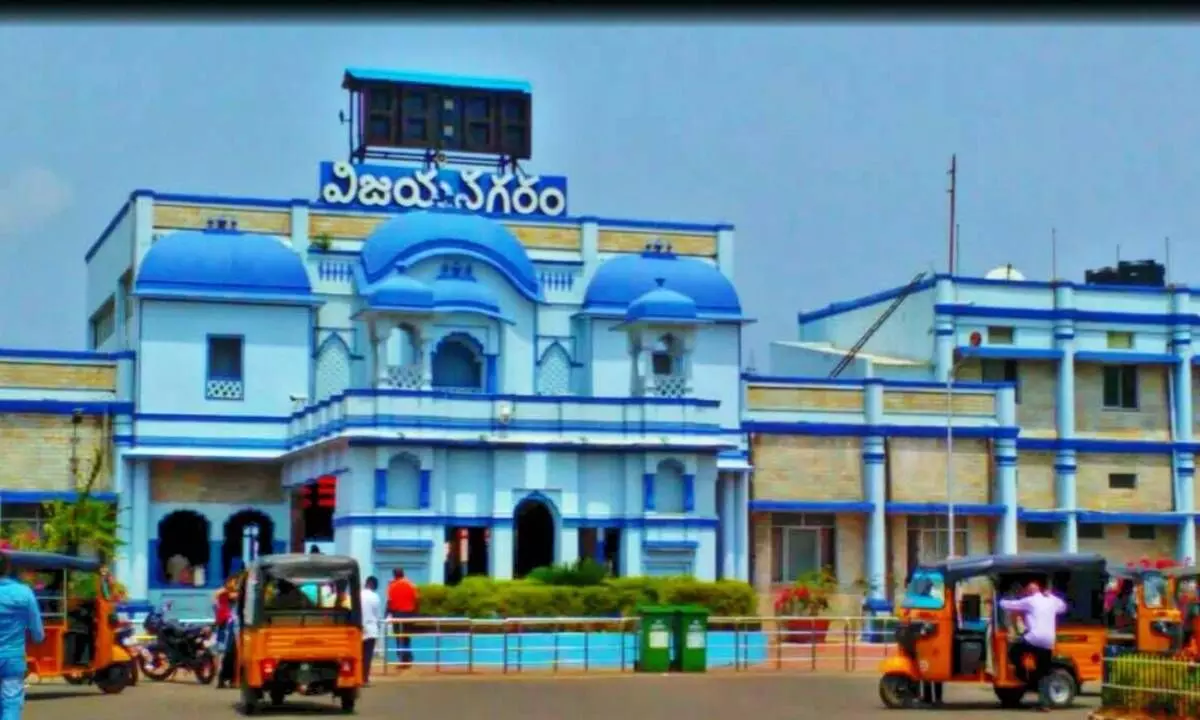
x=1154, y=685
x=514, y=645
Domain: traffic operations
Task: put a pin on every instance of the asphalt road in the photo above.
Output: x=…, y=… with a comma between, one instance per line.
x=749, y=696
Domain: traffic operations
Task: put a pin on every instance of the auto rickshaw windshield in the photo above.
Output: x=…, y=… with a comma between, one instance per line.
x=1154, y=590
x=293, y=592
x=925, y=591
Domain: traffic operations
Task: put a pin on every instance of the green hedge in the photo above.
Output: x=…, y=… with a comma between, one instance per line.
x=1152, y=684
x=481, y=597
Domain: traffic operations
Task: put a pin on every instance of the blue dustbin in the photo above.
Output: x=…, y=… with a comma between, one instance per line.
x=880, y=623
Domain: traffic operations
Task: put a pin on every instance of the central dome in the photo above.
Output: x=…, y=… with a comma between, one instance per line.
x=409, y=238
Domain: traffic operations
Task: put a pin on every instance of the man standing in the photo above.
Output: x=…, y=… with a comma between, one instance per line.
x=372, y=620
x=19, y=616
x=402, y=602
x=1039, y=611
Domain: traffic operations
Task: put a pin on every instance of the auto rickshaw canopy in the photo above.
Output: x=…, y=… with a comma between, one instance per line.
x=957, y=569
x=46, y=562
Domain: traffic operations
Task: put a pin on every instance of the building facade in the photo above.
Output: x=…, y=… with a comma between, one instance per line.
x=1072, y=414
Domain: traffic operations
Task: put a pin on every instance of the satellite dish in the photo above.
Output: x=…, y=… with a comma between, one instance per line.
x=1004, y=272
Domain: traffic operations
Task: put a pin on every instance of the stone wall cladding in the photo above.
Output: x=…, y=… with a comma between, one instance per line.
x=801, y=467
x=917, y=470
x=37, y=451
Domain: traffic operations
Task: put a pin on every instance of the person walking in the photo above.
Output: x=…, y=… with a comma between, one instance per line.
x=402, y=602
x=1039, y=610
x=19, y=618
x=372, y=621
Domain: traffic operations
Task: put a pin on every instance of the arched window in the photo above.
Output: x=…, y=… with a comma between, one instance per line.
x=403, y=482
x=183, y=547
x=405, y=368
x=554, y=372
x=333, y=368
x=458, y=364
x=668, y=487
x=667, y=356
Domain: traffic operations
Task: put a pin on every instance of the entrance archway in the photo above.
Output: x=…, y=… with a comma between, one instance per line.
x=533, y=536
x=248, y=534
x=182, y=546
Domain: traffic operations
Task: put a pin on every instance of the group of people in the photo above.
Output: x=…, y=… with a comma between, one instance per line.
x=403, y=601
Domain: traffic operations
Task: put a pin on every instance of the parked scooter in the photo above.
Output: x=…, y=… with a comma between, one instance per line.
x=175, y=646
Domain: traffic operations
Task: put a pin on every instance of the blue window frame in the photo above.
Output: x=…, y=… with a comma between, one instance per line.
x=225, y=380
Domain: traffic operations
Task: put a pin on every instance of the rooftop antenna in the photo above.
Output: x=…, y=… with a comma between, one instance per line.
x=957, y=248
x=953, y=173
x=1054, y=254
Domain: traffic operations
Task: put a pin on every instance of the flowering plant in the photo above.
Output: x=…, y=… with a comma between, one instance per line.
x=808, y=596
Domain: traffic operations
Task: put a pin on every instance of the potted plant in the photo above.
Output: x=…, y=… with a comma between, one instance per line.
x=800, y=606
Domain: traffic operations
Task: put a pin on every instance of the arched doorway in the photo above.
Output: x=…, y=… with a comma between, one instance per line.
x=533, y=536
x=248, y=534
x=182, y=546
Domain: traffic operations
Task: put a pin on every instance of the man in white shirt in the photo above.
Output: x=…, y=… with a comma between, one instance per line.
x=372, y=620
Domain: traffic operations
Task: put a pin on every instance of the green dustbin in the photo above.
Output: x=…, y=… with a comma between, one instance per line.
x=657, y=629
x=692, y=638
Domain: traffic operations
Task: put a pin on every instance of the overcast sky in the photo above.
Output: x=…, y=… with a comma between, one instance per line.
x=827, y=146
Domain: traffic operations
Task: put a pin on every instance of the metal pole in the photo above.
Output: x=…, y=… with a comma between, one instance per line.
x=950, y=456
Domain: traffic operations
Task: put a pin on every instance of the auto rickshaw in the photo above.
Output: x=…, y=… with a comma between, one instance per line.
x=80, y=642
x=299, y=629
x=940, y=643
x=1143, y=615
x=1183, y=588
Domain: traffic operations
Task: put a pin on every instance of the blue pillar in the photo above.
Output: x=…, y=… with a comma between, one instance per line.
x=599, y=548
x=875, y=493
x=381, y=498
x=1064, y=464
x=490, y=369
x=943, y=329
x=1184, y=465
x=648, y=492
x=212, y=574
x=689, y=492
x=1006, y=469
x=423, y=490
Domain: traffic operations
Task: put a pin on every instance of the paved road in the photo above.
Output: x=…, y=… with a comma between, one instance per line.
x=775, y=696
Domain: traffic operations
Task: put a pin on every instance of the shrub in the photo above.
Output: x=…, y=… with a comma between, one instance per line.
x=581, y=573
x=1156, y=685
x=482, y=597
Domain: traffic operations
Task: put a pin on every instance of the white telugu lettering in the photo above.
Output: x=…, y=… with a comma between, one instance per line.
x=474, y=191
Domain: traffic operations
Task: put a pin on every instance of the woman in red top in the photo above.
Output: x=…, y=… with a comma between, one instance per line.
x=223, y=611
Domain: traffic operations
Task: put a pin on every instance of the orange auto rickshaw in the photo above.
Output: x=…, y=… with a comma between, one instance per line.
x=80, y=642
x=1183, y=588
x=299, y=630
x=1144, y=615
x=942, y=642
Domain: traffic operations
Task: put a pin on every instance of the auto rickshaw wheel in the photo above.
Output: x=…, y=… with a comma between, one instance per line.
x=112, y=679
x=898, y=691
x=1010, y=697
x=1058, y=688
x=250, y=698
x=76, y=678
x=349, y=699
x=277, y=697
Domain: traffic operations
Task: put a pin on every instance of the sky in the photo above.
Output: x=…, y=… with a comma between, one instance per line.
x=826, y=145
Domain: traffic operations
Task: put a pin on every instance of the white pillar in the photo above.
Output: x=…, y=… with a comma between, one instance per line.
x=139, y=518
x=728, y=490
x=123, y=562
x=742, y=515
x=500, y=554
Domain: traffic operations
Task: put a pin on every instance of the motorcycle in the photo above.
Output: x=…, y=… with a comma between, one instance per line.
x=175, y=646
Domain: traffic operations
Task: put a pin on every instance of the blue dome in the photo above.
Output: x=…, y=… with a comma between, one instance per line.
x=223, y=265
x=414, y=236
x=400, y=292
x=624, y=279
x=661, y=304
x=464, y=295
